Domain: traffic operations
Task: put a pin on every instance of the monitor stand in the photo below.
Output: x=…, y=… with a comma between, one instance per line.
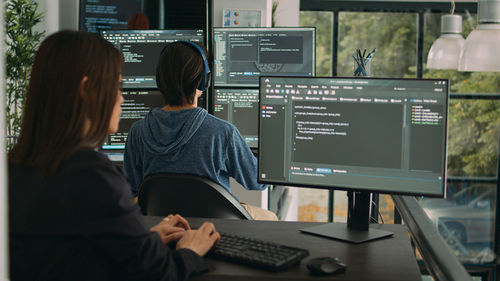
x=358, y=222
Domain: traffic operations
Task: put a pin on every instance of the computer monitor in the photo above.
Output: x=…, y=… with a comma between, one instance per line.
x=356, y=134
x=135, y=107
x=141, y=51
x=240, y=107
x=99, y=15
x=241, y=55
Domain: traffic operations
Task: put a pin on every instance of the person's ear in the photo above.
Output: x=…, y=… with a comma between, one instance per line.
x=198, y=93
x=83, y=86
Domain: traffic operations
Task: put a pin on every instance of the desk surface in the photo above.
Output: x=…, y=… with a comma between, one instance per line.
x=382, y=260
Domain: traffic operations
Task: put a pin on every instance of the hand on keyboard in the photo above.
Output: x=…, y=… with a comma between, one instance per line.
x=200, y=240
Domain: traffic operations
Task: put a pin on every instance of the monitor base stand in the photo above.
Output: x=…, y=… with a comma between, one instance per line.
x=358, y=228
x=341, y=232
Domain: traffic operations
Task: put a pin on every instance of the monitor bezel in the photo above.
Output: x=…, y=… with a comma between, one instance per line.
x=353, y=189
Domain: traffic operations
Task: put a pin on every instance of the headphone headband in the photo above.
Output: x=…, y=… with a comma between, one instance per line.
x=206, y=77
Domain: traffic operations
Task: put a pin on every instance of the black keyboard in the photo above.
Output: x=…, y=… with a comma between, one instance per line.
x=257, y=253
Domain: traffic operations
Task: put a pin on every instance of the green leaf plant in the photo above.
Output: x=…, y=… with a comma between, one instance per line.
x=21, y=42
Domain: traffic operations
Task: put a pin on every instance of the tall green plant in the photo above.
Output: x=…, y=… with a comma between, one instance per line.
x=22, y=41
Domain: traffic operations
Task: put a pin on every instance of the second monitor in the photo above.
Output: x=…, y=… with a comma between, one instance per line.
x=242, y=54
x=362, y=135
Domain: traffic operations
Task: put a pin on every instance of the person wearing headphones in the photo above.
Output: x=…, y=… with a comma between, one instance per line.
x=183, y=138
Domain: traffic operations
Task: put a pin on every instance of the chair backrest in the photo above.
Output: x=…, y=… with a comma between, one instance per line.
x=189, y=196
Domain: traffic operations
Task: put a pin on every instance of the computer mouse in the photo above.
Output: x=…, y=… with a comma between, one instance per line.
x=325, y=266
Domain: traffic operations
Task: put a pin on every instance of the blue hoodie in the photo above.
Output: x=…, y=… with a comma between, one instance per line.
x=188, y=141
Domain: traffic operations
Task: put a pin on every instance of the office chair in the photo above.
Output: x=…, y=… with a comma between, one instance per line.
x=189, y=196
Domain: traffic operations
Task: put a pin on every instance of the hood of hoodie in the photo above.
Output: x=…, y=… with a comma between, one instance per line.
x=165, y=132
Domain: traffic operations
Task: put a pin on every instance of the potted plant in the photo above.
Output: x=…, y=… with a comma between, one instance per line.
x=21, y=42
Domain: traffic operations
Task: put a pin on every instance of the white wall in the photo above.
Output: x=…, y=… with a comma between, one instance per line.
x=50, y=20
x=68, y=14
x=264, y=5
x=3, y=169
x=58, y=15
x=287, y=13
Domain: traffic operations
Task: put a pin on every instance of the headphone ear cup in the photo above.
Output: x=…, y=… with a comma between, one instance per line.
x=205, y=77
x=208, y=79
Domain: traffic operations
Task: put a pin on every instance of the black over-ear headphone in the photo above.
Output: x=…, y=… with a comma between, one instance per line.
x=207, y=74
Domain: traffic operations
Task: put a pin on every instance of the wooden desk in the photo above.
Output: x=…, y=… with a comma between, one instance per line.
x=381, y=260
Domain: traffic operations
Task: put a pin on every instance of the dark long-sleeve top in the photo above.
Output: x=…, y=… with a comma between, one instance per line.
x=82, y=224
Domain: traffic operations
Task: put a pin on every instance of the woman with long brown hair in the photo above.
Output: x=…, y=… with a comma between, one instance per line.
x=72, y=216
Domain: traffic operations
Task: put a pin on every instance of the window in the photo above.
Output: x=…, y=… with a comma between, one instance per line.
x=395, y=43
x=403, y=33
x=466, y=218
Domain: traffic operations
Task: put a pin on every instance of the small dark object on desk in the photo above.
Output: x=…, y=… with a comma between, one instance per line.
x=325, y=266
x=257, y=253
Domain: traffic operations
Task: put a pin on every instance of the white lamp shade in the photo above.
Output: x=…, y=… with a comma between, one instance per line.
x=445, y=52
x=481, y=49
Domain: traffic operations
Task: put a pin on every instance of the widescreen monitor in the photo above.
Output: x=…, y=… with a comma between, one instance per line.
x=355, y=134
x=135, y=107
x=99, y=15
x=240, y=107
x=141, y=51
x=241, y=55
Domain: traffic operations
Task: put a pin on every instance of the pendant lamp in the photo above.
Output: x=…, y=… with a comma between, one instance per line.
x=481, y=51
x=445, y=51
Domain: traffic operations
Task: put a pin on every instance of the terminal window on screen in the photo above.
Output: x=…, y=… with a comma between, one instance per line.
x=141, y=51
x=271, y=50
x=99, y=15
x=371, y=139
x=386, y=135
x=135, y=107
x=242, y=56
x=240, y=107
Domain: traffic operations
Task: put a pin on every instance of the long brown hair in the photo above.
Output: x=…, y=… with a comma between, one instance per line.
x=70, y=99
